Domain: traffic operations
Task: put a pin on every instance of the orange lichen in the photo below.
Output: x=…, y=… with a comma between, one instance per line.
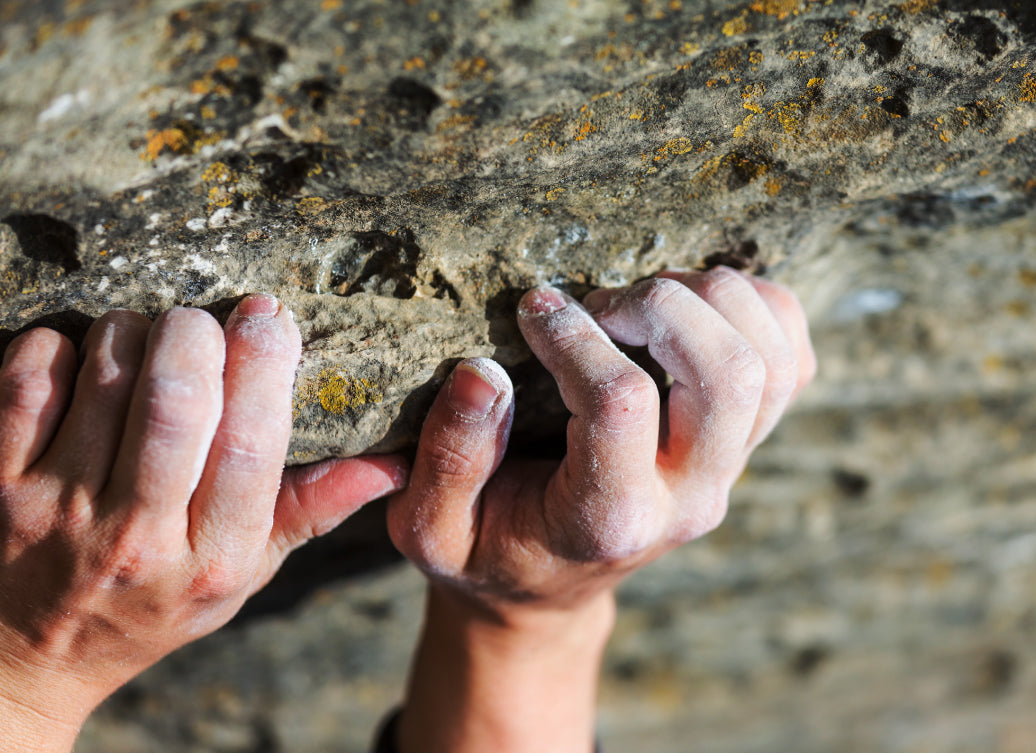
x=916, y=6
x=779, y=8
x=1028, y=87
x=171, y=139
x=585, y=129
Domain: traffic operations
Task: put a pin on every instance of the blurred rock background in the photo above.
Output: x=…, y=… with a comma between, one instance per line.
x=402, y=169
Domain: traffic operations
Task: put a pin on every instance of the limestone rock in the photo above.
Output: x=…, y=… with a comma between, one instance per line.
x=399, y=172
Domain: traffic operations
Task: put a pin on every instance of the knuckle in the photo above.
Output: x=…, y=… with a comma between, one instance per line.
x=249, y=451
x=219, y=580
x=30, y=390
x=741, y=379
x=719, y=283
x=448, y=462
x=630, y=394
x=132, y=562
x=658, y=292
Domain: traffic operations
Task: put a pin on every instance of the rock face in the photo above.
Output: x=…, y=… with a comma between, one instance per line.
x=399, y=171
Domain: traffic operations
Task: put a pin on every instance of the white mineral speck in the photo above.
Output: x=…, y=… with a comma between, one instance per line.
x=197, y=224
x=118, y=262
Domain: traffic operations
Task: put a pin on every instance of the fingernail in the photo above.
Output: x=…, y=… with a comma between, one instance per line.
x=542, y=301
x=597, y=300
x=471, y=394
x=260, y=305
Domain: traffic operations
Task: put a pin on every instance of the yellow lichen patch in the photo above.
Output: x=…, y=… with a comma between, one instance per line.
x=414, y=63
x=171, y=139
x=916, y=6
x=814, y=83
x=554, y=193
x=729, y=59
x=674, y=147
x=455, y=121
x=801, y=55
x=773, y=187
x=470, y=68
x=228, y=63
x=780, y=8
x=219, y=172
x=330, y=4
x=1028, y=87
x=585, y=129
x=207, y=112
x=735, y=26
x=311, y=206
x=337, y=393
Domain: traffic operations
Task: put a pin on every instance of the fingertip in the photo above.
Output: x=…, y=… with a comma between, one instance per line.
x=476, y=387
x=541, y=301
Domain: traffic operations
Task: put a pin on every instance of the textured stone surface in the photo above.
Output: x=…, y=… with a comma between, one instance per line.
x=399, y=172
x=872, y=589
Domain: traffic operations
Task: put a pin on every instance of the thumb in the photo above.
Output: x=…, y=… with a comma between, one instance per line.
x=314, y=499
x=433, y=521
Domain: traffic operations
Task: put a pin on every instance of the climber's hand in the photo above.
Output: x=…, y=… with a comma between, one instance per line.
x=139, y=502
x=641, y=476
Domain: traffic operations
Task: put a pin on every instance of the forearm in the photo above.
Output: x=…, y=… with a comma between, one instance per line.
x=527, y=686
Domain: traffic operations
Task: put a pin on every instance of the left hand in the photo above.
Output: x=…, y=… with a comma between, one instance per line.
x=142, y=499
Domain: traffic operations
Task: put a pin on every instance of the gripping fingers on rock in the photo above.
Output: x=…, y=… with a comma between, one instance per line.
x=36, y=379
x=737, y=300
x=234, y=504
x=613, y=432
x=791, y=317
x=434, y=520
x=84, y=449
x=719, y=378
x=172, y=418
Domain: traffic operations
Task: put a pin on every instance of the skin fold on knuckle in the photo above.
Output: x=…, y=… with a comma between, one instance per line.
x=173, y=408
x=29, y=390
x=740, y=380
x=628, y=398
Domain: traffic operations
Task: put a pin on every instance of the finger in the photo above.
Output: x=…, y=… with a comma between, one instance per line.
x=434, y=521
x=613, y=432
x=314, y=499
x=738, y=301
x=791, y=317
x=718, y=376
x=36, y=379
x=88, y=440
x=233, y=508
x=172, y=418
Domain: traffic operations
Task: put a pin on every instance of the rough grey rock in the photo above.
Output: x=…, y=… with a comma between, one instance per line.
x=399, y=172
x=872, y=588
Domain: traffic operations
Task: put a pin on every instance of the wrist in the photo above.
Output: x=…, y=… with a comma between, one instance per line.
x=30, y=730
x=42, y=711
x=510, y=679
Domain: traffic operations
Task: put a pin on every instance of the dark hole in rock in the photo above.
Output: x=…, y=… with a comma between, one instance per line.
x=896, y=105
x=980, y=34
x=521, y=7
x=851, y=484
x=283, y=177
x=743, y=257
x=883, y=45
x=414, y=97
x=46, y=238
x=379, y=264
x=318, y=90
x=807, y=660
x=997, y=671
